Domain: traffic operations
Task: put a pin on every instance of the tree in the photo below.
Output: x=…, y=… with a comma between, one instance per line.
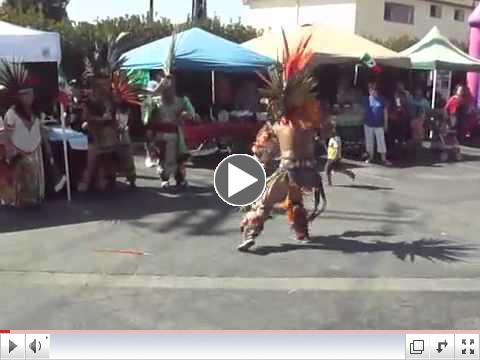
x=52, y=9
x=81, y=40
x=397, y=44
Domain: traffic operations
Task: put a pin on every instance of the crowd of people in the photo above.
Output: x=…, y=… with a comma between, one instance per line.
x=392, y=125
x=103, y=111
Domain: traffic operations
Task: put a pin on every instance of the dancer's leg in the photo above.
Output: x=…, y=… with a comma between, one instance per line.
x=253, y=222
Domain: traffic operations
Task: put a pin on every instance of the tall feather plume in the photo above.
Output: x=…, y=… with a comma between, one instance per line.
x=170, y=62
x=290, y=86
x=286, y=48
x=107, y=57
x=297, y=61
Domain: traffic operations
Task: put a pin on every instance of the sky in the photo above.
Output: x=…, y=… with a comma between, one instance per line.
x=176, y=10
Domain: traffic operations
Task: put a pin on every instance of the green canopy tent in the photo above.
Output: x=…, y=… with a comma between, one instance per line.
x=435, y=52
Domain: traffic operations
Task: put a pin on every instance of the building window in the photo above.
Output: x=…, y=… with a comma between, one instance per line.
x=435, y=11
x=399, y=13
x=459, y=15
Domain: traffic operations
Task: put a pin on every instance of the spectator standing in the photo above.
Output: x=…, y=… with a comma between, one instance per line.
x=400, y=115
x=461, y=110
x=375, y=124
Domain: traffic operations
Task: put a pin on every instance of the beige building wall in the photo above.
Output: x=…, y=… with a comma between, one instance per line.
x=370, y=20
x=364, y=17
x=267, y=14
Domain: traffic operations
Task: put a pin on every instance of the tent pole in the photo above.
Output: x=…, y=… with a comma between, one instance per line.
x=214, y=100
x=65, y=153
x=450, y=83
x=355, y=77
x=434, y=89
x=298, y=12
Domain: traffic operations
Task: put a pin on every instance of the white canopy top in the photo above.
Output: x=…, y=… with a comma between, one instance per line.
x=28, y=45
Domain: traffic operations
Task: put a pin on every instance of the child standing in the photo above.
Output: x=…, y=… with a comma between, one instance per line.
x=334, y=157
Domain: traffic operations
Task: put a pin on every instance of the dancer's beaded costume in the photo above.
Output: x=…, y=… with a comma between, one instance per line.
x=291, y=138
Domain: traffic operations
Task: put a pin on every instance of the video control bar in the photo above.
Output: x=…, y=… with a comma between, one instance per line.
x=322, y=345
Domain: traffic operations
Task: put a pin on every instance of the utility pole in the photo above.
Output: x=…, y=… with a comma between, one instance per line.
x=150, y=14
x=199, y=10
x=298, y=12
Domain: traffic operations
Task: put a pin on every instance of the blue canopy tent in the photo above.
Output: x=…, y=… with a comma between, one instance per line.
x=197, y=50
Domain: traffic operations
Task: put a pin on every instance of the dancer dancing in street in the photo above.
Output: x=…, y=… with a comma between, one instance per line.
x=165, y=115
x=297, y=117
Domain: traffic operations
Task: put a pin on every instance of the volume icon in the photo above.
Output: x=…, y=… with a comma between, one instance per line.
x=35, y=346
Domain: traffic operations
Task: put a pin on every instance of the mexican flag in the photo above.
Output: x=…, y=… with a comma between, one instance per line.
x=370, y=62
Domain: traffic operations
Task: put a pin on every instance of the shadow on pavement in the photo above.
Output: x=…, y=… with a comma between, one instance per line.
x=117, y=205
x=430, y=249
x=365, y=187
x=429, y=158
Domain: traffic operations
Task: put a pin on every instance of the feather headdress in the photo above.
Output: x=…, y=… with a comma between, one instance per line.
x=290, y=87
x=168, y=80
x=106, y=58
x=13, y=77
x=124, y=89
x=106, y=63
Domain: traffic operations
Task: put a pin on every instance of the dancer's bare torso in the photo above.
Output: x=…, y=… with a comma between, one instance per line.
x=295, y=144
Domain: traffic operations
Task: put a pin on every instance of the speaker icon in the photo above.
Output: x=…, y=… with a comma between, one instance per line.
x=35, y=346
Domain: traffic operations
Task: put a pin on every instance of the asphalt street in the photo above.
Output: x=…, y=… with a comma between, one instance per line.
x=396, y=249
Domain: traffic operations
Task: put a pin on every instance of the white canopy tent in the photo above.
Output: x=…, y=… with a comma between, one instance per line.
x=28, y=45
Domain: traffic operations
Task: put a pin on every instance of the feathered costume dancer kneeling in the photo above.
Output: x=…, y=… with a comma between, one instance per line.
x=297, y=117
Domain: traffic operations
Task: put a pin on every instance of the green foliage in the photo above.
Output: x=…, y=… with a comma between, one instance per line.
x=52, y=9
x=460, y=44
x=81, y=40
x=403, y=42
x=234, y=31
x=397, y=44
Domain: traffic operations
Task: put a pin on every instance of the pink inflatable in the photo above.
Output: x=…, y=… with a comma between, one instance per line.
x=473, y=79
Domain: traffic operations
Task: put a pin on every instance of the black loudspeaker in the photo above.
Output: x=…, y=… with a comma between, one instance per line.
x=35, y=346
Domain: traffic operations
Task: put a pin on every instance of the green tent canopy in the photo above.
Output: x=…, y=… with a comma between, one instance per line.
x=436, y=52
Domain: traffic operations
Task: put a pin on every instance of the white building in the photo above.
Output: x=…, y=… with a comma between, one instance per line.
x=381, y=19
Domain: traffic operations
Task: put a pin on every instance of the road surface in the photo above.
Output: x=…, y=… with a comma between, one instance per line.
x=397, y=249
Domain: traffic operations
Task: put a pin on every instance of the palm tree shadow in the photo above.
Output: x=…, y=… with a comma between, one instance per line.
x=365, y=187
x=429, y=249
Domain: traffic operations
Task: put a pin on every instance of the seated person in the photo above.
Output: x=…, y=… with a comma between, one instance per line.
x=223, y=95
x=247, y=98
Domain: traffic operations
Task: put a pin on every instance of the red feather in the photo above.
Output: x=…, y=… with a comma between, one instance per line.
x=297, y=60
x=122, y=87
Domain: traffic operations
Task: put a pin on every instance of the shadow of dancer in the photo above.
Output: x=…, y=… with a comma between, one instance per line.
x=430, y=249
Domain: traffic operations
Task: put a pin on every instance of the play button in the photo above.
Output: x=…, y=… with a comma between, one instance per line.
x=239, y=180
x=11, y=346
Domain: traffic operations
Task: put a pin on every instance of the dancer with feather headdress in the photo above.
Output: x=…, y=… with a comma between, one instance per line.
x=22, y=175
x=297, y=117
x=105, y=114
x=165, y=115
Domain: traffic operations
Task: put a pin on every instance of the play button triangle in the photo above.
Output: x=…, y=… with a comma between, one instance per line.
x=11, y=346
x=238, y=180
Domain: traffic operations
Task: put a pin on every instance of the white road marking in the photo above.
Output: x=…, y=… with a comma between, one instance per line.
x=18, y=279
